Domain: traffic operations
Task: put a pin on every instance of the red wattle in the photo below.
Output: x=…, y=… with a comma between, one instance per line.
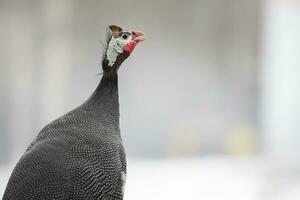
x=129, y=46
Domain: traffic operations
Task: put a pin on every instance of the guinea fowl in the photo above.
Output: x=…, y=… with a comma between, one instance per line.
x=80, y=155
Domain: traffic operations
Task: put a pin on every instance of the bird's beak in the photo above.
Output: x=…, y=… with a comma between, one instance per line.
x=138, y=36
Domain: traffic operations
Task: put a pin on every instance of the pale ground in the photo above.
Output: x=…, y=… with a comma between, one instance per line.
x=212, y=178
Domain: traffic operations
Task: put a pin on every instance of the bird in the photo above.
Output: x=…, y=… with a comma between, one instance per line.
x=81, y=155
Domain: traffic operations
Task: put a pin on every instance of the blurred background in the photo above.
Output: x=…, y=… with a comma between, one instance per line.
x=210, y=102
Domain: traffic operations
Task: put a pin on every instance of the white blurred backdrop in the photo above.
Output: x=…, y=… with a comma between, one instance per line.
x=210, y=102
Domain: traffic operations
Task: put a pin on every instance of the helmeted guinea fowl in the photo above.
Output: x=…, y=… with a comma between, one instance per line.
x=80, y=155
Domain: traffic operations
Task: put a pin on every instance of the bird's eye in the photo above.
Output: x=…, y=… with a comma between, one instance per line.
x=125, y=36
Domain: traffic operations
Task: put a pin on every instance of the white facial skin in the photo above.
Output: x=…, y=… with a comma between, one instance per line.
x=115, y=47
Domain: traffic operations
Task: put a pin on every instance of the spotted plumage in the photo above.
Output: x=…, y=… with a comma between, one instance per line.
x=80, y=155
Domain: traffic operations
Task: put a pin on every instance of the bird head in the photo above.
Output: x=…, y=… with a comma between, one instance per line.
x=120, y=44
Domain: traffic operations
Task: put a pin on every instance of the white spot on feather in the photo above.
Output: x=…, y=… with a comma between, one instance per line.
x=123, y=177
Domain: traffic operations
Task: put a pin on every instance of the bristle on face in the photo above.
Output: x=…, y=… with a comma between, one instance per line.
x=119, y=42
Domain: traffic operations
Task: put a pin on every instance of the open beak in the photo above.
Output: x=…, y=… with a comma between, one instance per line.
x=138, y=36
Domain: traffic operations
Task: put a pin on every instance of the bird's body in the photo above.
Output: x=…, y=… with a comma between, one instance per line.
x=78, y=156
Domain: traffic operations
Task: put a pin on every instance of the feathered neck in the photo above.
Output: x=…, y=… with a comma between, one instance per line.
x=105, y=98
